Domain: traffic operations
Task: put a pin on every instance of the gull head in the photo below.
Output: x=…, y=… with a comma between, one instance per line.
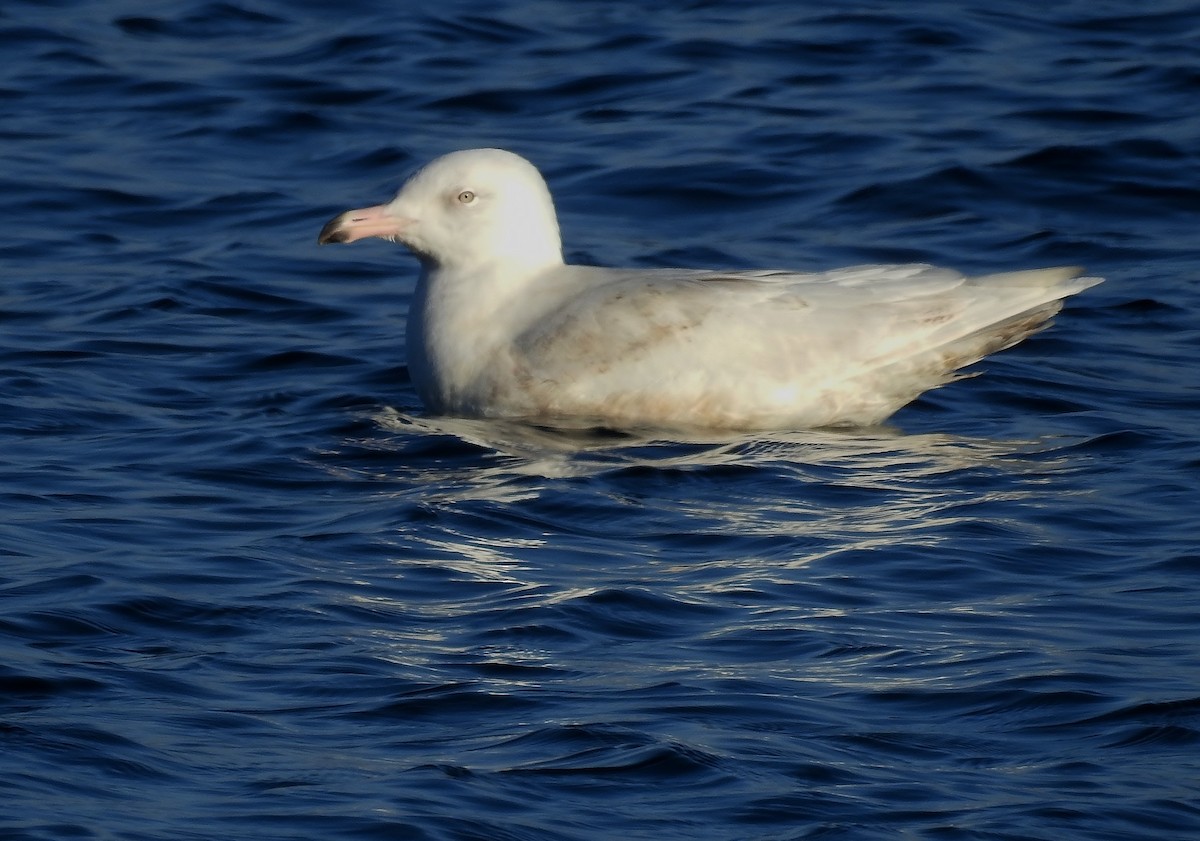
x=474, y=210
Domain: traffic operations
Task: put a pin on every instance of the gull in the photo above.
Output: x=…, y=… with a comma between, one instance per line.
x=501, y=327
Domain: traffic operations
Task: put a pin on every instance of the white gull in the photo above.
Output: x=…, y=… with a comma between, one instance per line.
x=501, y=327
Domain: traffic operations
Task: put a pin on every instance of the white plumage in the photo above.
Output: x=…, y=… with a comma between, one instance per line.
x=500, y=327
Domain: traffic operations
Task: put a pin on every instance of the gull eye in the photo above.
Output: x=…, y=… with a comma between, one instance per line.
x=466, y=197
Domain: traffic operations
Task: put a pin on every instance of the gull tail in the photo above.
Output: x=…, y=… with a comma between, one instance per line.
x=1011, y=307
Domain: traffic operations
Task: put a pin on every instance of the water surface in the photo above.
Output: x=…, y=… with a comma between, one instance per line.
x=250, y=590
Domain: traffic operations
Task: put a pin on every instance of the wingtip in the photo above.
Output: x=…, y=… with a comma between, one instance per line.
x=1071, y=277
x=1077, y=275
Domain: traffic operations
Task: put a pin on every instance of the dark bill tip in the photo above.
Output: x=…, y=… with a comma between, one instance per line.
x=333, y=231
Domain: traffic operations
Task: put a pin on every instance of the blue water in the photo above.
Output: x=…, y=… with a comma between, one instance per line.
x=249, y=590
